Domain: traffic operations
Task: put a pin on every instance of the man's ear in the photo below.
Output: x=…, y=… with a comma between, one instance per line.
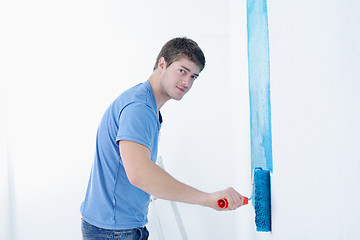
x=162, y=64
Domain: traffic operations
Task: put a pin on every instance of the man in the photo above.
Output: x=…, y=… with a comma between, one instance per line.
x=124, y=173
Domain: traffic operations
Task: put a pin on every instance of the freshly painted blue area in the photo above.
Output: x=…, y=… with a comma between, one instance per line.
x=259, y=85
x=260, y=111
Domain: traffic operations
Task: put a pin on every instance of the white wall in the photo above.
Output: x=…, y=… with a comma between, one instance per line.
x=314, y=49
x=64, y=62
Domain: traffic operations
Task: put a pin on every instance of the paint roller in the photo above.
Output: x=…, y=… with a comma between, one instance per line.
x=261, y=202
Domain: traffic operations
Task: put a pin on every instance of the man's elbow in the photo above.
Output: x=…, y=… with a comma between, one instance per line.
x=136, y=179
x=133, y=179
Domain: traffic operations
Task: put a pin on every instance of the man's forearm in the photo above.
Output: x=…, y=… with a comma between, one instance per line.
x=156, y=181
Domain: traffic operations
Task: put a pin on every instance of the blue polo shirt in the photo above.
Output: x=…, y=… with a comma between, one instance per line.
x=111, y=201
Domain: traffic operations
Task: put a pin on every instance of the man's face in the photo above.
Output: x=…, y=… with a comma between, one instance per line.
x=177, y=79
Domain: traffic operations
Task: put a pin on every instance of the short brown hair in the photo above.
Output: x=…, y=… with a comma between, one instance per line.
x=178, y=48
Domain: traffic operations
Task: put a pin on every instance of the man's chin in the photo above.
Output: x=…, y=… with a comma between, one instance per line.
x=178, y=98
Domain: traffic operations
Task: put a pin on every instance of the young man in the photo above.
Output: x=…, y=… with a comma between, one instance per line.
x=124, y=173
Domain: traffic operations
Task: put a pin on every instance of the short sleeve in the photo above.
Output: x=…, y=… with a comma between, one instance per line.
x=137, y=123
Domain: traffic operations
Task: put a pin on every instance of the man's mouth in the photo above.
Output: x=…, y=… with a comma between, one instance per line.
x=180, y=89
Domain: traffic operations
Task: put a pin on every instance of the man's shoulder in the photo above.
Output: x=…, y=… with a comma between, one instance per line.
x=138, y=94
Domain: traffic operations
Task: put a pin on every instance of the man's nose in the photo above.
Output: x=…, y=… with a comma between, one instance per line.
x=187, y=82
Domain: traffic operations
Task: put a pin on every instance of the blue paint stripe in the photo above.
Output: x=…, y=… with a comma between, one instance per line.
x=259, y=85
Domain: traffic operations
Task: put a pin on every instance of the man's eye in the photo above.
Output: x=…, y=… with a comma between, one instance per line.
x=182, y=71
x=194, y=77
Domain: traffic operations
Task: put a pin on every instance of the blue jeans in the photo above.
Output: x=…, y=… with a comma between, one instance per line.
x=91, y=232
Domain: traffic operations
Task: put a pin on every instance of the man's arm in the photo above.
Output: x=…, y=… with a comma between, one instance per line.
x=146, y=175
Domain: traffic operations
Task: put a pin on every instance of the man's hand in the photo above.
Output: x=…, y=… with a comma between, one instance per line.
x=233, y=198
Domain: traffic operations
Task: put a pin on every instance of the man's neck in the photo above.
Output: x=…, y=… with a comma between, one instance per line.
x=160, y=97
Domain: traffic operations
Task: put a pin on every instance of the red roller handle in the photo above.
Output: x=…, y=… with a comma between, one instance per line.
x=223, y=203
x=246, y=201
